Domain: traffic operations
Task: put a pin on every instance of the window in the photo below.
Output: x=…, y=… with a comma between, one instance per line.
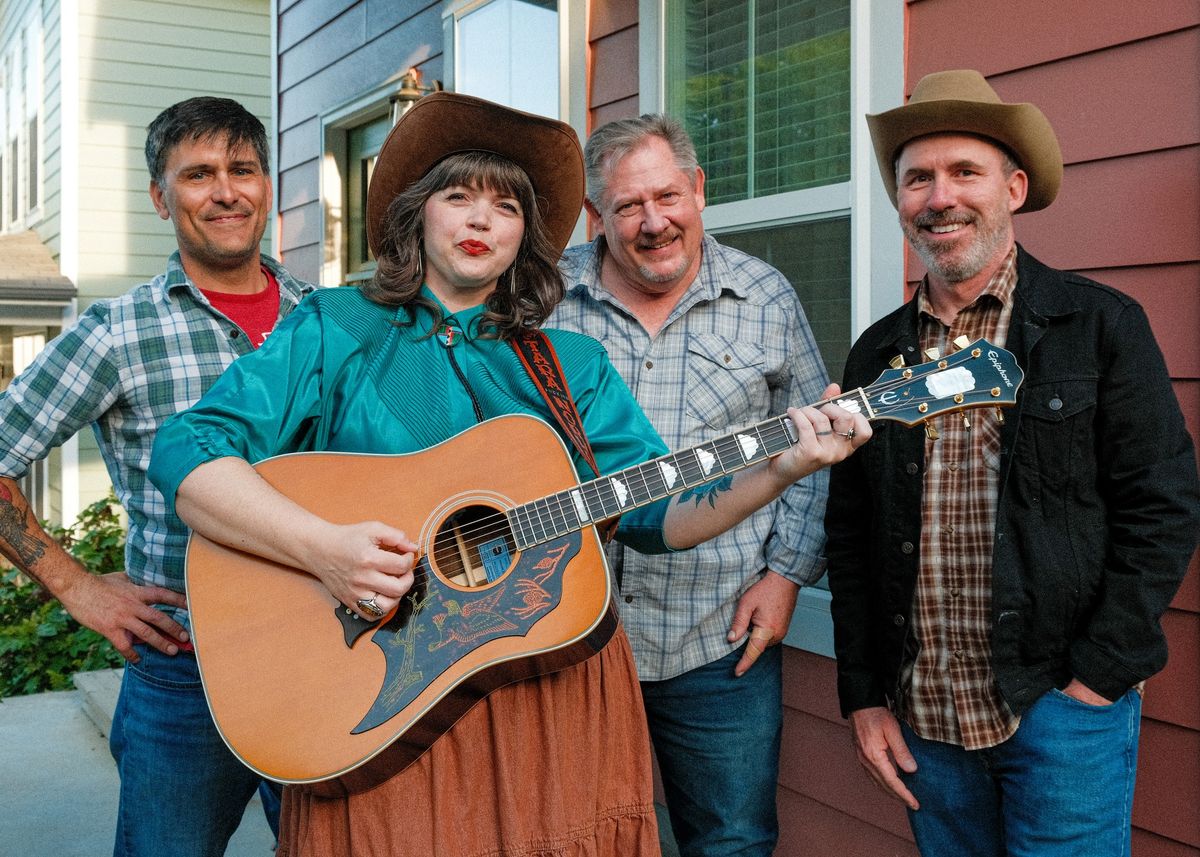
x=363, y=143
x=773, y=93
x=33, y=101
x=508, y=51
x=764, y=89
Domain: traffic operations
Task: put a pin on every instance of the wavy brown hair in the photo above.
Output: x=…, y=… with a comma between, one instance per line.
x=525, y=293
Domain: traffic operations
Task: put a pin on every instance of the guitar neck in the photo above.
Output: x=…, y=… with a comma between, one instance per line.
x=601, y=499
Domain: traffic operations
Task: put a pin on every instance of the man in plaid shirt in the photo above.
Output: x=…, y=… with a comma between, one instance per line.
x=710, y=340
x=124, y=367
x=998, y=583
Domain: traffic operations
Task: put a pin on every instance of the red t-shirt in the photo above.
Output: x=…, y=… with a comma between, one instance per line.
x=254, y=314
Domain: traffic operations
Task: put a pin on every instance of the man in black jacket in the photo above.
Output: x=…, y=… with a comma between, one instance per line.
x=998, y=582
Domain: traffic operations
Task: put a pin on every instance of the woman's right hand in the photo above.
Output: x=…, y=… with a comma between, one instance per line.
x=368, y=562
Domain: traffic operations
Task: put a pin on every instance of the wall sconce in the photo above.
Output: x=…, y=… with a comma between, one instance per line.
x=410, y=90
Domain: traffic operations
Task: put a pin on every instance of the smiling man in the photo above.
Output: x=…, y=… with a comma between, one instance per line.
x=997, y=584
x=710, y=340
x=124, y=367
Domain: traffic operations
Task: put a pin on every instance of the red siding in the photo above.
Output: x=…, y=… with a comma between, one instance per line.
x=1121, y=92
x=613, y=64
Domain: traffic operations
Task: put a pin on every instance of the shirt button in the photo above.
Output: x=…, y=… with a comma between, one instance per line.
x=954, y=593
x=649, y=364
x=628, y=599
x=907, y=547
x=958, y=654
x=911, y=468
x=898, y=620
x=235, y=333
x=1056, y=404
x=728, y=359
x=953, y=467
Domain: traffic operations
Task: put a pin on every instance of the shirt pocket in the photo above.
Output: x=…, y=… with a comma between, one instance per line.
x=1056, y=440
x=726, y=382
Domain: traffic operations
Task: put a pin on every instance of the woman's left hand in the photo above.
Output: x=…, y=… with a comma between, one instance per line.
x=826, y=435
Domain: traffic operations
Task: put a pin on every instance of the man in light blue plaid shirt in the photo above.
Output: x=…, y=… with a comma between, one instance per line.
x=124, y=367
x=710, y=340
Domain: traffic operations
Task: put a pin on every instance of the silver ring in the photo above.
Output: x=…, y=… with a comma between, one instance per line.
x=848, y=435
x=823, y=433
x=368, y=605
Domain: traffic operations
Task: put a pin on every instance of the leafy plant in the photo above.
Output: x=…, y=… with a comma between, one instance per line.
x=41, y=646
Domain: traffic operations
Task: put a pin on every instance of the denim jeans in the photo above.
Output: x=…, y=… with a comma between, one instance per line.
x=182, y=791
x=717, y=742
x=1061, y=786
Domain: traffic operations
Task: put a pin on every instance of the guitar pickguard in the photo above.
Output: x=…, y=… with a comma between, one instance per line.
x=447, y=624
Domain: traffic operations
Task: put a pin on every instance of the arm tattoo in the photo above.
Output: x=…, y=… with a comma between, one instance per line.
x=24, y=546
x=708, y=491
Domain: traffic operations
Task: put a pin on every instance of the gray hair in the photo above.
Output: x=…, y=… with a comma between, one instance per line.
x=611, y=142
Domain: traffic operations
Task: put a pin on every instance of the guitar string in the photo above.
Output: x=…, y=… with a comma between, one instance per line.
x=490, y=527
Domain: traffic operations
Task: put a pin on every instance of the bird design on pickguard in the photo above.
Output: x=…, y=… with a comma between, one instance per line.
x=531, y=590
x=462, y=626
x=469, y=622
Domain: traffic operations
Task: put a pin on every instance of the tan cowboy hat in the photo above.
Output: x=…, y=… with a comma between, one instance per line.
x=444, y=123
x=962, y=101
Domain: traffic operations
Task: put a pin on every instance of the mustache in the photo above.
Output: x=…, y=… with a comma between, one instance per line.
x=941, y=218
x=660, y=238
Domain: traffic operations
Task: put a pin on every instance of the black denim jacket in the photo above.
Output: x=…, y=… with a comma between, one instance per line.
x=1098, y=513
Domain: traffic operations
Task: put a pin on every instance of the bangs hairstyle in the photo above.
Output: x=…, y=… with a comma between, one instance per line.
x=525, y=293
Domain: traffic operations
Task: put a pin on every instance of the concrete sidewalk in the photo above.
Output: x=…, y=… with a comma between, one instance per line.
x=58, y=783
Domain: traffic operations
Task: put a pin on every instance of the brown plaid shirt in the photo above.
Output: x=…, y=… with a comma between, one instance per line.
x=950, y=693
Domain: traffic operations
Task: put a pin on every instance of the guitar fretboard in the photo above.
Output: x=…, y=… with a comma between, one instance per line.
x=609, y=496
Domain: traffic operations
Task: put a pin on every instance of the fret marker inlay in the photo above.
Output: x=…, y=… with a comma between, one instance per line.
x=580, y=507
x=621, y=491
x=749, y=446
x=706, y=460
x=669, y=473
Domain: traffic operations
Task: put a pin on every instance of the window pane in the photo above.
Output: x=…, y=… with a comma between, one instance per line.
x=362, y=147
x=815, y=257
x=507, y=51
x=14, y=174
x=31, y=150
x=763, y=87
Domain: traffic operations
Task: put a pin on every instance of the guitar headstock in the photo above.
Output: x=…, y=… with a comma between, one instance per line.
x=980, y=375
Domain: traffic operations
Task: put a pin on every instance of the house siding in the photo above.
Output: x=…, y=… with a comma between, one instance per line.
x=330, y=53
x=1119, y=90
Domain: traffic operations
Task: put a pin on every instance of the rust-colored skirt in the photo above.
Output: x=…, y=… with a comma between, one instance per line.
x=556, y=766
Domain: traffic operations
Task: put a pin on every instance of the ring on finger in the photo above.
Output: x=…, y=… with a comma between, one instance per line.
x=848, y=435
x=370, y=605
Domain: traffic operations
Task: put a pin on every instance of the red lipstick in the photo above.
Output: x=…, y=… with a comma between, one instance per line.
x=474, y=248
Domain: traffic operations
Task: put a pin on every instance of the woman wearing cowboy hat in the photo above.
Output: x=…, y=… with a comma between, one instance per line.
x=469, y=207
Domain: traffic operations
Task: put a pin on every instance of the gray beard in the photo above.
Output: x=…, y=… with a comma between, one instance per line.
x=957, y=270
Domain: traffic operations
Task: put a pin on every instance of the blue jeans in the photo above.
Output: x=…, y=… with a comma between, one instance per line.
x=717, y=742
x=182, y=791
x=1061, y=786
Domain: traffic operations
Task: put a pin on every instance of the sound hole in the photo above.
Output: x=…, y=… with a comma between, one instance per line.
x=474, y=546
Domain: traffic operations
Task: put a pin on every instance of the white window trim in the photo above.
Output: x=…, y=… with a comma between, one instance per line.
x=335, y=127
x=572, y=59
x=876, y=248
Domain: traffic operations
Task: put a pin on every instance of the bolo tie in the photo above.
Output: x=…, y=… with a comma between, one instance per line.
x=450, y=334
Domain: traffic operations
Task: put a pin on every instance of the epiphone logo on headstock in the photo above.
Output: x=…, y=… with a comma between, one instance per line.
x=995, y=361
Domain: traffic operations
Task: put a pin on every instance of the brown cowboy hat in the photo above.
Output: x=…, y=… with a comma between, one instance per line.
x=962, y=101
x=444, y=123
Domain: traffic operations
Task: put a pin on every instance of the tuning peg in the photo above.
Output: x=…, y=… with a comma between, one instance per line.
x=897, y=362
x=932, y=353
x=961, y=342
x=1000, y=416
x=931, y=431
x=966, y=421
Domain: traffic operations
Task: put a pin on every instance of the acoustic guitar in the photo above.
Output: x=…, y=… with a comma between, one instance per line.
x=511, y=580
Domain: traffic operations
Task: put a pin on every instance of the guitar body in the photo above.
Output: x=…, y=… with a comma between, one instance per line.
x=305, y=692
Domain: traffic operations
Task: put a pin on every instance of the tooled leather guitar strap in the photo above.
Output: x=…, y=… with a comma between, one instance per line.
x=541, y=362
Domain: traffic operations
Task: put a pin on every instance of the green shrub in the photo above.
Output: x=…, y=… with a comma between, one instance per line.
x=41, y=646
